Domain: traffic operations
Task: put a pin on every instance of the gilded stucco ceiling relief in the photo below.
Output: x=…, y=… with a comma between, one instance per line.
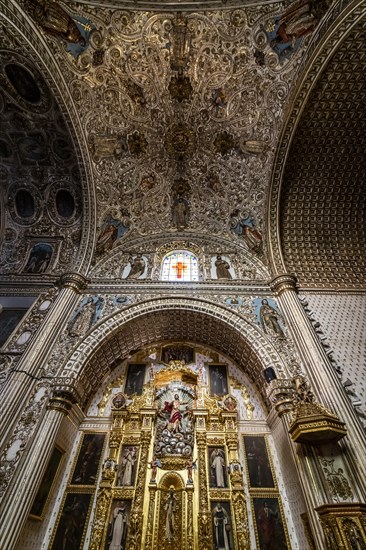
x=181, y=113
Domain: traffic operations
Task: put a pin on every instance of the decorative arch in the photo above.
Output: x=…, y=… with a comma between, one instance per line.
x=166, y=319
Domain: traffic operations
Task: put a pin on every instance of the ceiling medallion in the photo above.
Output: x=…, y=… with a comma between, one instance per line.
x=224, y=143
x=136, y=143
x=180, y=88
x=180, y=141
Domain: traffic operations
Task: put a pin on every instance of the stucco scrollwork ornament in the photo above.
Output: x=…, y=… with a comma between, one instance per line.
x=336, y=480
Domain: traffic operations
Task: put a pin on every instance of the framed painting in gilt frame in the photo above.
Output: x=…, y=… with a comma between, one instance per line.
x=72, y=522
x=47, y=484
x=178, y=352
x=222, y=526
x=270, y=531
x=135, y=378
x=258, y=463
x=88, y=460
x=218, y=380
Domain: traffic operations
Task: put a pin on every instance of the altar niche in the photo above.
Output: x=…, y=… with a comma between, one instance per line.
x=171, y=512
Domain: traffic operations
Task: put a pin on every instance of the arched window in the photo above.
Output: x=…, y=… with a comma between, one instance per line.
x=180, y=265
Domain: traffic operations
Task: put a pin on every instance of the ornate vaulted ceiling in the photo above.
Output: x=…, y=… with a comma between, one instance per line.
x=181, y=113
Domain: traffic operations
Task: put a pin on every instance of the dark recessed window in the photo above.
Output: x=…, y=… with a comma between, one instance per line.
x=23, y=82
x=24, y=203
x=65, y=203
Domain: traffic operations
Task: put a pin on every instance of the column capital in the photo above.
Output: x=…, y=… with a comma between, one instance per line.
x=280, y=392
x=61, y=401
x=73, y=280
x=284, y=281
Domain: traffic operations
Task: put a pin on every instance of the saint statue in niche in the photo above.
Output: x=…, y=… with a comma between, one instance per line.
x=119, y=527
x=222, y=268
x=170, y=508
x=269, y=318
x=56, y=21
x=218, y=468
x=126, y=473
x=221, y=528
x=180, y=213
x=83, y=319
x=174, y=428
x=137, y=267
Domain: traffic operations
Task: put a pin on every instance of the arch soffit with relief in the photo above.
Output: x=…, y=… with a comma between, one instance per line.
x=30, y=42
x=324, y=42
x=165, y=319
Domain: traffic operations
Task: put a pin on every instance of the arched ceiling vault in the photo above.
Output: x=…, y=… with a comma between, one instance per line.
x=171, y=319
x=318, y=201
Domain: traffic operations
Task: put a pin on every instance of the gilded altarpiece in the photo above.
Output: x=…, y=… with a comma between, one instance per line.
x=172, y=478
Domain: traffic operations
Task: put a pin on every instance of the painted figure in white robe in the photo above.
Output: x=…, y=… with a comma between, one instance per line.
x=120, y=525
x=218, y=466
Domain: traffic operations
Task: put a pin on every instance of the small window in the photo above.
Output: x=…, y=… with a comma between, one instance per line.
x=180, y=266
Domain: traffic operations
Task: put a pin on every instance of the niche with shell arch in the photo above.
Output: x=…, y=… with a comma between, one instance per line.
x=171, y=524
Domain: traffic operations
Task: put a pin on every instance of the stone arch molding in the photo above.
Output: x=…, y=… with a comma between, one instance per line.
x=196, y=320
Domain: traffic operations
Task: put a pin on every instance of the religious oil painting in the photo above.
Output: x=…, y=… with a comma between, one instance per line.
x=259, y=467
x=135, y=379
x=270, y=531
x=127, y=465
x=87, y=464
x=222, y=528
x=39, y=258
x=177, y=352
x=9, y=320
x=47, y=482
x=72, y=524
x=217, y=467
x=118, y=525
x=218, y=380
